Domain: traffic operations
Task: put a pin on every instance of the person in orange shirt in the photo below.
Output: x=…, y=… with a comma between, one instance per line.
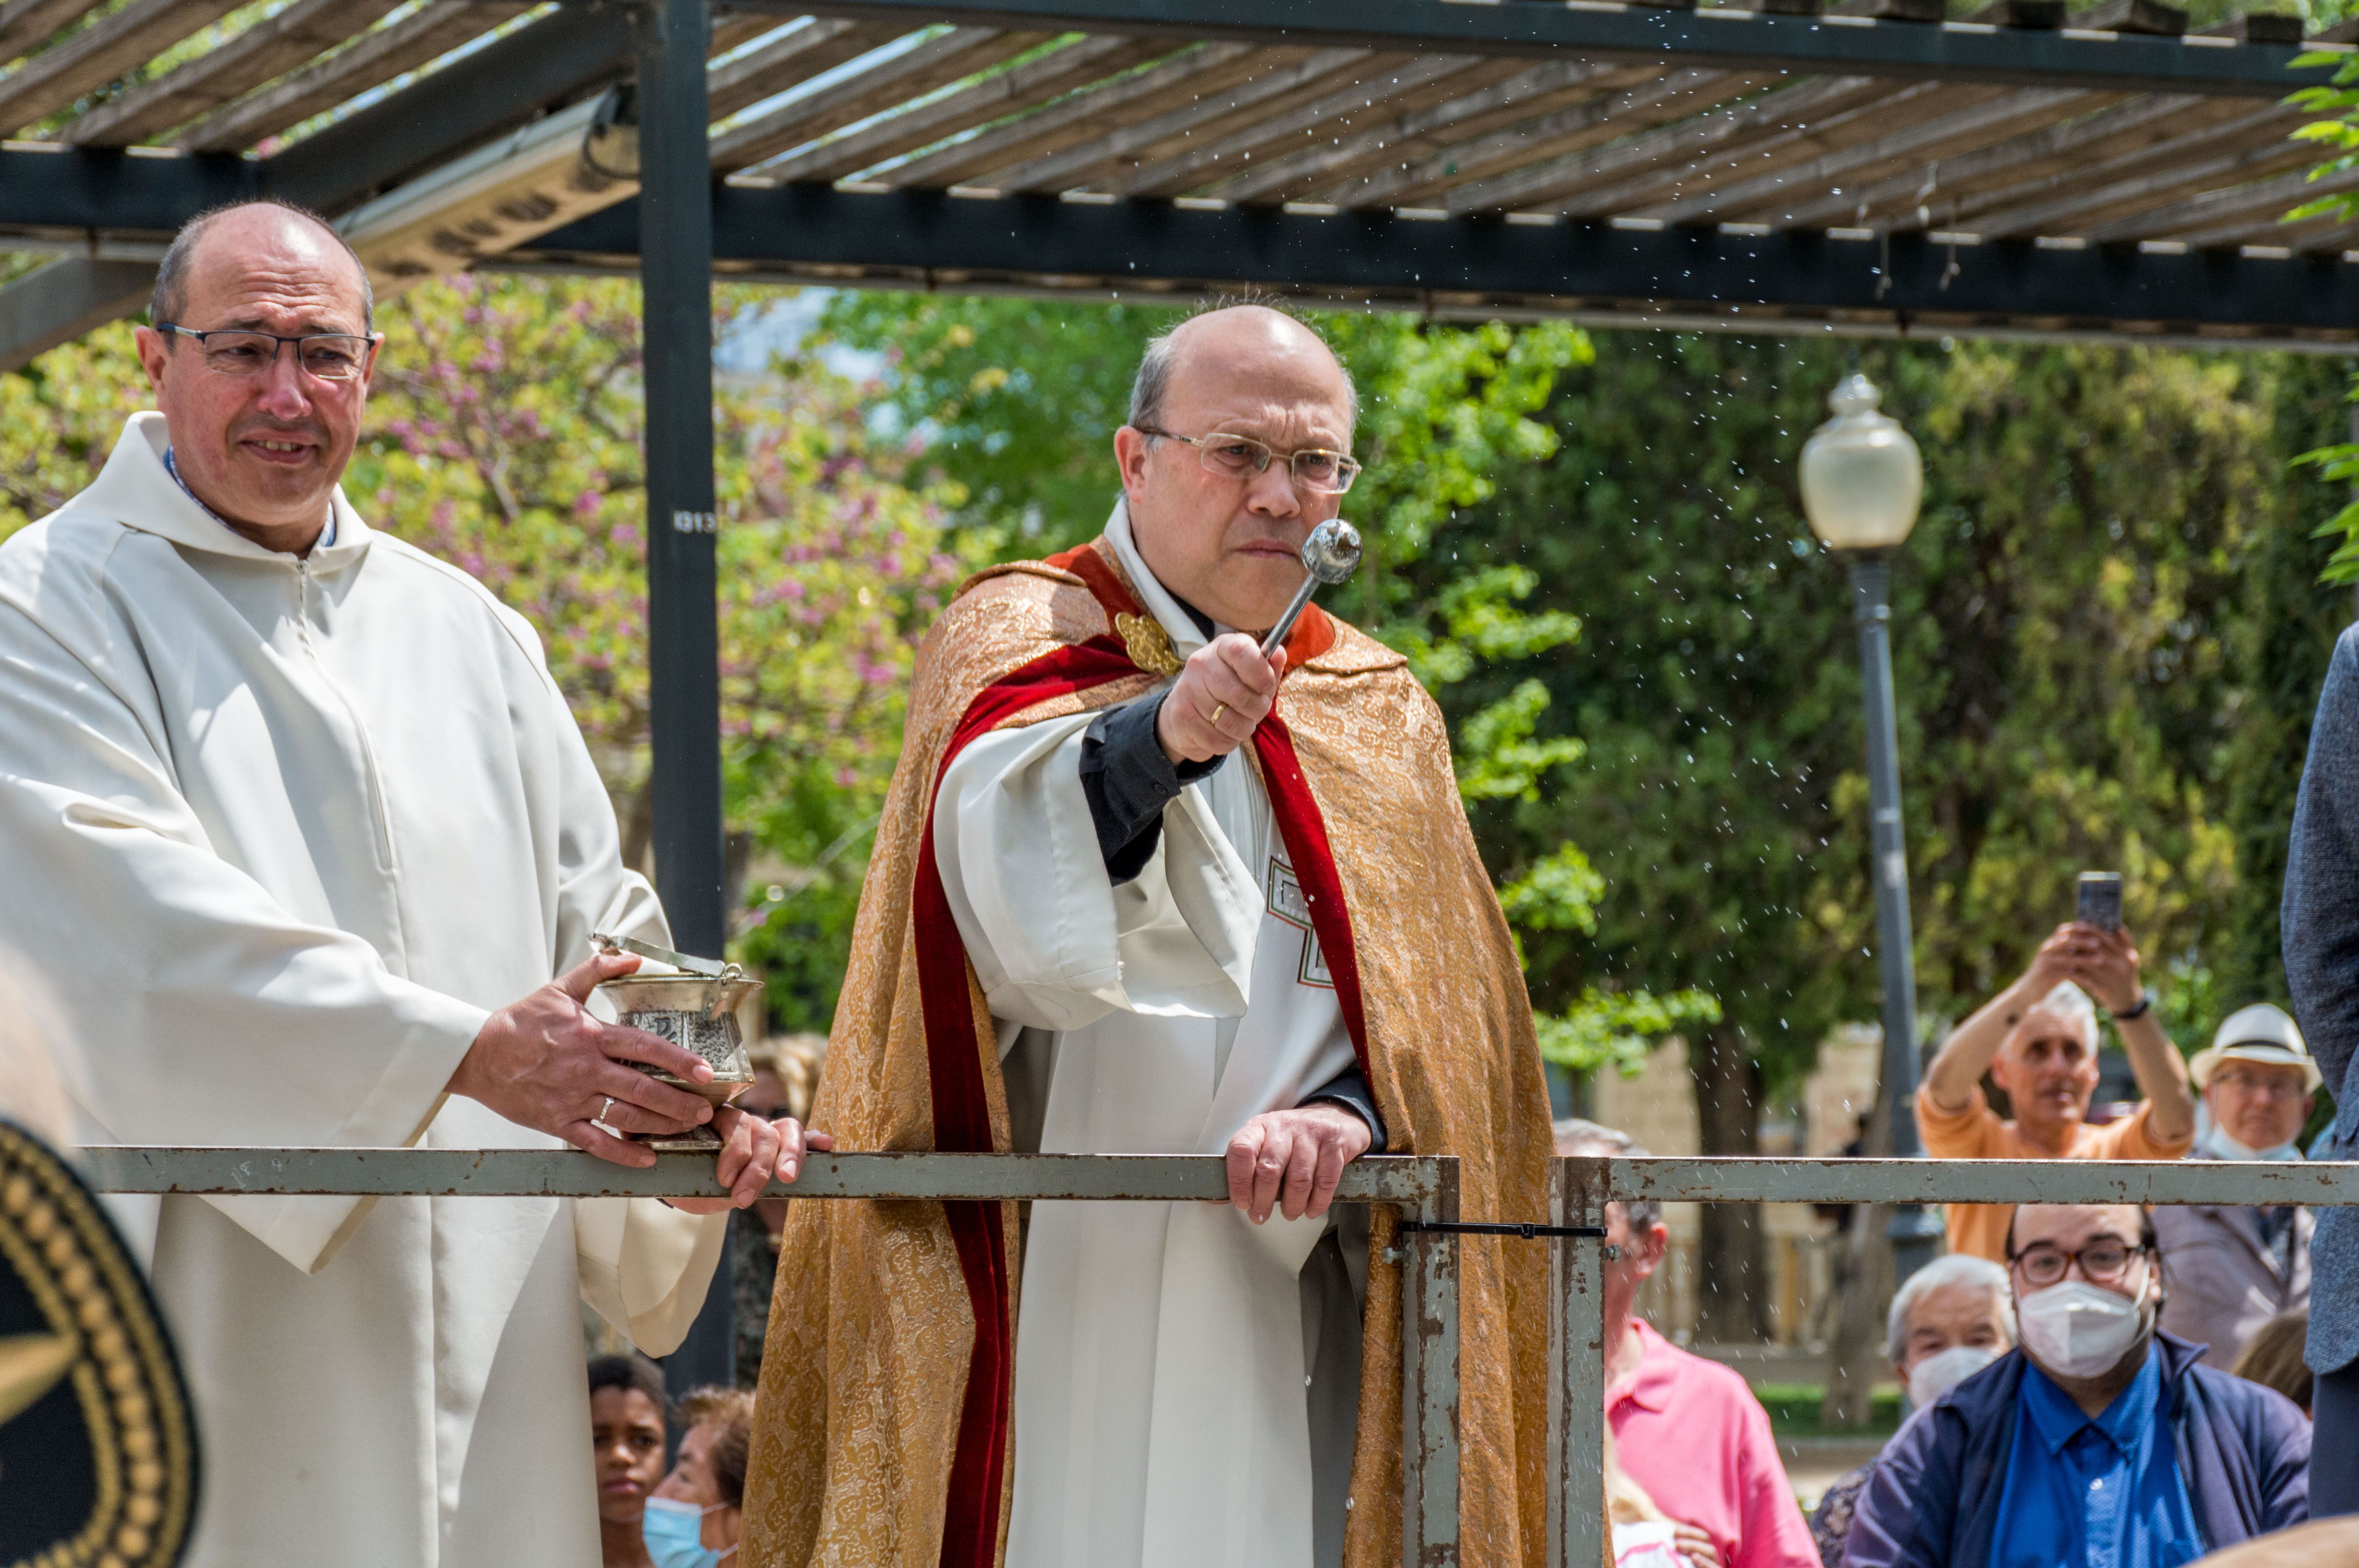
x=2038, y=1040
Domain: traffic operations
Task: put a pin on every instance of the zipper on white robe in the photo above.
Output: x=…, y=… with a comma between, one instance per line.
x=378, y=817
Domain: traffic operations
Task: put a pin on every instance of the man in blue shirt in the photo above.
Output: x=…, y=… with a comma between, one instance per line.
x=2097, y=1442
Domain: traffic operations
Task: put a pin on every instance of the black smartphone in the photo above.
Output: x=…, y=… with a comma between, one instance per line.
x=2100, y=900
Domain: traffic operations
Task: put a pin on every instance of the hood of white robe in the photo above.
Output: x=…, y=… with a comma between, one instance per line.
x=137, y=490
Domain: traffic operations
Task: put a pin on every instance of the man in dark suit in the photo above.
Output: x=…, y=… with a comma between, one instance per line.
x=2322, y=960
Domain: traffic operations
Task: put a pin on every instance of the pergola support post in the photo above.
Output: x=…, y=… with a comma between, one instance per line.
x=683, y=632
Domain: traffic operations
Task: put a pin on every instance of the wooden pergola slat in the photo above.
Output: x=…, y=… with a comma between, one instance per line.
x=25, y=23
x=1331, y=173
x=2235, y=215
x=935, y=63
x=2250, y=154
x=993, y=98
x=1910, y=152
x=264, y=52
x=1189, y=72
x=1496, y=174
x=99, y=53
x=365, y=63
x=1122, y=142
x=1412, y=85
x=790, y=60
x=2099, y=126
x=1691, y=155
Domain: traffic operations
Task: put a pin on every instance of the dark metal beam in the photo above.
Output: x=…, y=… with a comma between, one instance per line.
x=1601, y=272
x=1460, y=266
x=1725, y=39
x=64, y=300
x=65, y=192
x=683, y=635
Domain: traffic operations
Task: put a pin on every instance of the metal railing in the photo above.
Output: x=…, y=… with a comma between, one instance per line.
x=1425, y=1189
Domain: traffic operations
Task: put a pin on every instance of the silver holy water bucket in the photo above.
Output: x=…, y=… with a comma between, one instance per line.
x=695, y=1008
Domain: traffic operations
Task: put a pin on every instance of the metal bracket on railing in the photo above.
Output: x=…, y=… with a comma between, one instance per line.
x=1487, y=1228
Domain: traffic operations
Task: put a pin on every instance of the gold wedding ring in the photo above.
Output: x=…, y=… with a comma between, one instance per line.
x=1218, y=708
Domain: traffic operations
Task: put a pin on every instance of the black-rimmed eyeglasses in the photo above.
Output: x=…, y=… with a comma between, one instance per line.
x=237, y=351
x=1315, y=469
x=2105, y=1260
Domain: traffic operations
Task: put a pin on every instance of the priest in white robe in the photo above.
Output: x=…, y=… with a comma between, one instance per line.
x=299, y=834
x=1150, y=891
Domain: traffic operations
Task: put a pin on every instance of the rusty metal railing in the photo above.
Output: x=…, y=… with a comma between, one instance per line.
x=1424, y=1188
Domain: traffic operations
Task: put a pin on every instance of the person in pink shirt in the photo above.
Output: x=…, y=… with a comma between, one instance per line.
x=1689, y=1431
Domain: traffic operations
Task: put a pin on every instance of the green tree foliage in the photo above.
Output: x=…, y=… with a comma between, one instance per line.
x=2337, y=134
x=503, y=434
x=2075, y=648
x=59, y=419
x=2080, y=642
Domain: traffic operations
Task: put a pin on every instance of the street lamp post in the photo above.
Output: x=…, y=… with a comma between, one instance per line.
x=1862, y=482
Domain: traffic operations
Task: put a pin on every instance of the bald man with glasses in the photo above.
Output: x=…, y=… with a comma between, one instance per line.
x=1142, y=888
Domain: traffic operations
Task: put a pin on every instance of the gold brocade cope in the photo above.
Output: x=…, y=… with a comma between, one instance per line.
x=864, y=1373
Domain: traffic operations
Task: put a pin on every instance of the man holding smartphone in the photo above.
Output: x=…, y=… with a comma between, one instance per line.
x=2037, y=1038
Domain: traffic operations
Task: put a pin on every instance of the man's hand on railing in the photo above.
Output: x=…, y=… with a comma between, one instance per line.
x=751, y=1149
x=548, y=1064
x=1299, y=1152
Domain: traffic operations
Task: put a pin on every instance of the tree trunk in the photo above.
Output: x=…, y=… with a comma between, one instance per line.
x=1857, y=1357
x=1732, y=1274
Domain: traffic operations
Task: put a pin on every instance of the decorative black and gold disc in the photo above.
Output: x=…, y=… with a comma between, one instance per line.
x=98, y=1446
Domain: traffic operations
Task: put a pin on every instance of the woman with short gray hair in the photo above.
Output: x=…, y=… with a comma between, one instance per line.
x=1949, y=1320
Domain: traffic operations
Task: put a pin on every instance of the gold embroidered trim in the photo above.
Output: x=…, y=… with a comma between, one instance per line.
x=123, y=1376
x=1148, y=643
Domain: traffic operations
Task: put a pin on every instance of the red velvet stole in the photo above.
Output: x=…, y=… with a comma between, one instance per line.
x=954, y=1046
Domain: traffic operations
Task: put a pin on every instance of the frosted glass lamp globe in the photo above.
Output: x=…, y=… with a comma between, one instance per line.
x=1862, y=477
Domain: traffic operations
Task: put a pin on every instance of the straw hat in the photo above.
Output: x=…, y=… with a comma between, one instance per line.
x=2256, y=1034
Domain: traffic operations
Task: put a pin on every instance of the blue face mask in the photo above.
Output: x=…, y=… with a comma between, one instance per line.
x=671, y=1530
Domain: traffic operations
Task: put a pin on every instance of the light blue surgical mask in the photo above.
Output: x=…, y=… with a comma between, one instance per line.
x=672, y=1530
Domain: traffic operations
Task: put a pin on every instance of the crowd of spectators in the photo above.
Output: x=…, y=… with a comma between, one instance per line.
x=2085, y=1384
x=2097, y=1386
x=2091, y=1384
x=687, y=1512
x=2099, y=1439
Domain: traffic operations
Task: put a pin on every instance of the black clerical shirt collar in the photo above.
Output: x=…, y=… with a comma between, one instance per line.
x=1204, y=622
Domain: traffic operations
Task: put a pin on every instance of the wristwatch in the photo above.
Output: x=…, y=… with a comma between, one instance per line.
x=2145, y=1004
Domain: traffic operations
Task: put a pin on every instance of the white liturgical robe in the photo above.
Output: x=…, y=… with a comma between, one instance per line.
x=277, y=834
x=1160, y=1413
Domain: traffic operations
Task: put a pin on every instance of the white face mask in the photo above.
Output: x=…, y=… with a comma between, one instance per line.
x=2219, y=1146
x=1937, y=1375
x=2077, y=1330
